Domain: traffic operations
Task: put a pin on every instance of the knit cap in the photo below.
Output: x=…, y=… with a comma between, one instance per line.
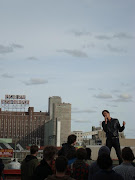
x=104, y=149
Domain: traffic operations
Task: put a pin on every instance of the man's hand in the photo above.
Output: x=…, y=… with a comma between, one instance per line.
x=124, y=123
x=105, y=120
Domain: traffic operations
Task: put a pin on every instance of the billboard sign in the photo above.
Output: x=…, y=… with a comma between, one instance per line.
x=6, y=152
x=15, y=96
x=14, y=101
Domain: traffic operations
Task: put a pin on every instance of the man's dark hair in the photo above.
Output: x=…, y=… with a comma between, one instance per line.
x=105, y=111
x=61, y=164
x=1, y=166
x=127, y=154
x=88, y=150
x=104, y=161
x=81, y=153
x=49, y=152
x=71, y=139
x=33, y=149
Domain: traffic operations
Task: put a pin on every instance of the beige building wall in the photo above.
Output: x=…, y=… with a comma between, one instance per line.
x=62, y=113
x=123, y=142
x=53, y=100
x=95, y=150
x=58, y=112
x=79, y=136
x=102, y=135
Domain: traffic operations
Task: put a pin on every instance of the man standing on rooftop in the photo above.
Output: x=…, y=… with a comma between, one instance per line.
x=112, y=127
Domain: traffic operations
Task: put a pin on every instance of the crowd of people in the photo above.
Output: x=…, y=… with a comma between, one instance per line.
x=70, y=163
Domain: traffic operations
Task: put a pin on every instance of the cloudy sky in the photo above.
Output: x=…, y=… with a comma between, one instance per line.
x=80, y=50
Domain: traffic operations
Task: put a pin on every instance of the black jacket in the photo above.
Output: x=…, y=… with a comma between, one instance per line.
x=28, y=167
x=112, y=128
x=43, y=170
x=67, y=150
x=104, y=174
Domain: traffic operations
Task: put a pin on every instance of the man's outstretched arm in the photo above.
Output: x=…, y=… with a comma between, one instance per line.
x=121, y=128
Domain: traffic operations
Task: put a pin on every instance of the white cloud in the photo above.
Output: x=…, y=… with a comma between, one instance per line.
x=103, y=96
x=84, y=111
x=17, y=46
x=6, y=75
x=111, y=105
x=81, y=121
x=92, y=89
x=115, y=91
x=103, y=37
x=119, y=35
x=116, y=49
x=124, y=98
x=6, y=49
x=123, y=35
x=74, y=53
x=9, y=49
x=81, y=33
x=32, y=58
x=35, y=81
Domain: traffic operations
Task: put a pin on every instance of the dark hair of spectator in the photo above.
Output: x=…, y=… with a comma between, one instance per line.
x=71, y=139
x=1, y=167
x=88, y=150
x=104, y=161
x=33, y=149
x=49, y=152
x=81, y=154
x=61, y=164
x=127, y=154
x=105, y=111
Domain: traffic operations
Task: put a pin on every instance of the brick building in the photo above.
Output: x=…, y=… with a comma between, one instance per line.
x=23, y=127
x=29, y=127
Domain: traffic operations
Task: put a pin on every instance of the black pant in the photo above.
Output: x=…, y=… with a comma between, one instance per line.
x=114, y=142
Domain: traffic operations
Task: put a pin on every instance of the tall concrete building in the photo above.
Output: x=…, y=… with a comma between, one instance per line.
x=59, y=126
x=53, y=100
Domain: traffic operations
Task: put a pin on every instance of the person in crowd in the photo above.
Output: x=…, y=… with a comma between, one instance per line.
x=71, y=156
x=88, y=159
x=68, y=147
x=44, y=168
x=112, y=127
x=80, y=168
x=1, y=169
x=29, y=164
x=104, y=162
x=126, y=169
x=94, y=166
x=61, y=164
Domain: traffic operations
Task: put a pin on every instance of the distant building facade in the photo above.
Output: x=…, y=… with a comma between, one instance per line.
x=32, y=127
x=79, y=135
x=23, y=127
x=58, y=127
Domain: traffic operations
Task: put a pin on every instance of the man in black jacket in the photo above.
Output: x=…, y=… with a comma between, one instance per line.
x=29, y=164
x=68, y=148
x=44, y=169
x=112, y=128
